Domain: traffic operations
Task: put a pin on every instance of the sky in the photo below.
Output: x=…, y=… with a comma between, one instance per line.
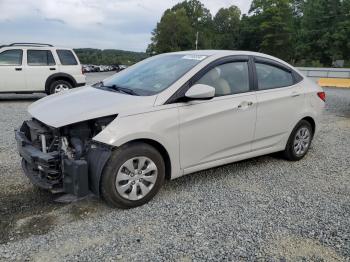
x=104, y=24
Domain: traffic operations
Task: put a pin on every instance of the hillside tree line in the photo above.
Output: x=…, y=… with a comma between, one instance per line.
x=108, y=56
x=303, y=32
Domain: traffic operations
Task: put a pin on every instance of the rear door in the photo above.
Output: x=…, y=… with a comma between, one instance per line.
x=40, y=65
x=222, y=127
x=12, y=75
x=280, y=100
x=69, y=64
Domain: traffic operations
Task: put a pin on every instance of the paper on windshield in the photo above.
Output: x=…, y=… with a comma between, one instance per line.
x=194, y=57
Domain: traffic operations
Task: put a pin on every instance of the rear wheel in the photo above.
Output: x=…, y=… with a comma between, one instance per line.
x=59, y=86
x=133, y=176
x=299, y=141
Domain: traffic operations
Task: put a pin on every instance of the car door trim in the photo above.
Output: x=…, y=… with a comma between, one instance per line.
x=22, y=56
x=263, y=60
x=180, y=93
x=216, y=99
x=48, y=52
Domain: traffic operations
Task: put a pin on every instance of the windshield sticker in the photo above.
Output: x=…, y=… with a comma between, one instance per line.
x=194, y=57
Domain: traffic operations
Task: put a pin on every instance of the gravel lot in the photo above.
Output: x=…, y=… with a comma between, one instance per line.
x=260, y=209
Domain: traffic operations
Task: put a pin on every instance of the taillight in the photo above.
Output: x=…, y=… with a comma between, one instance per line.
x=82, y=70
x=322, y=95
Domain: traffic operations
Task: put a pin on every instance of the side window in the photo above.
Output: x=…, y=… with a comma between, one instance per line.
x=270, y=77
x=66, y=57
x=11, y=57
x=40, y=58
x=228, y=79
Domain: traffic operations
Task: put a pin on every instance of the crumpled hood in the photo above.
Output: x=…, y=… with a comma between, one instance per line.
x=86, y=103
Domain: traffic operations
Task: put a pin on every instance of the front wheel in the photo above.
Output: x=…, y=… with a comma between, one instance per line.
x=59, y=86
x=133, y=175
x=299, y=141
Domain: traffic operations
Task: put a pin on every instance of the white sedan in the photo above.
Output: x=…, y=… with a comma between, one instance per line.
x=165, y=117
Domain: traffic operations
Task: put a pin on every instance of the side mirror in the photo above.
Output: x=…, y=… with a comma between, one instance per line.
x=200, y=92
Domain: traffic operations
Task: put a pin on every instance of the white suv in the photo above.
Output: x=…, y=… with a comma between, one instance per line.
x=34, y=67
x=168, y=116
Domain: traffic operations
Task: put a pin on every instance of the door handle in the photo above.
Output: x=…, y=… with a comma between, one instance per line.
x=52, y=68
x=18, y=69
x=295, y=94
x=244, y=104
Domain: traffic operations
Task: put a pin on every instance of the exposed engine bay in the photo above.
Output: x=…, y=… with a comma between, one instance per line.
x=66, y=159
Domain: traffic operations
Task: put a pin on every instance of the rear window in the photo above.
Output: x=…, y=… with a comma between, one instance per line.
x=11, y=57
x=66, y=57
x=40, y=58
x=270, y=77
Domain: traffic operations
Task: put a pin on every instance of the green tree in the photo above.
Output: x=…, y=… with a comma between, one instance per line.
x=178, y=27
x=272, y=21
x=304, y=32
x=201, y=21
x=226, y=25
x=296, y=37
x=108, y=56
x=319, y=29
x=343, y=31
x=250, y=36
x=173, y=32
x=195, y=11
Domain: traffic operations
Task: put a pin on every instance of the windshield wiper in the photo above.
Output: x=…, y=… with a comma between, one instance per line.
x=120, y=89
x=98, y=84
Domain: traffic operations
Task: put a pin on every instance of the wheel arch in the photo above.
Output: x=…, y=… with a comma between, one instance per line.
x=96, y=177
x=307, y=117
x=288, y=152
x=160, y=148
x=312, y=123
x=59, y=76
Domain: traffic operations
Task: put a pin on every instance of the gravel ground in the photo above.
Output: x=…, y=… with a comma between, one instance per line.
x=264, y=209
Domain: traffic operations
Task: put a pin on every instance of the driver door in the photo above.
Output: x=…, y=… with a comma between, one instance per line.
x=12, y=73
x=223, y=127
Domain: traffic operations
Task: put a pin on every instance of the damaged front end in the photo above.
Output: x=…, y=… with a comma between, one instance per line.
x=64, y=160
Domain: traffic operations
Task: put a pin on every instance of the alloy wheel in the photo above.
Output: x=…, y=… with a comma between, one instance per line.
x=60, y=88
x=302, y=141
x=136, y=178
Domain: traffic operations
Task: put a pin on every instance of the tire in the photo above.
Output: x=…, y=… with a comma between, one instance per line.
x=292, y=152
x=132, y=155
x=59, y=86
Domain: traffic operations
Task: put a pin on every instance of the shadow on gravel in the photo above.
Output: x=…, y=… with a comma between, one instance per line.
x=215, y=174
x=83, y=210
x=338, y=102
x=23, y=214
x=35, y=212
x=343, y=113
x=20, y=98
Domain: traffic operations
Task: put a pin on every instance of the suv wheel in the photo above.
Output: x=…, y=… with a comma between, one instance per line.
x=59, y=86
x=133, y=175
x=299, y=141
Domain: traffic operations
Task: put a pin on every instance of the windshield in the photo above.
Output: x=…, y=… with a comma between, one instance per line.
x=155, y=75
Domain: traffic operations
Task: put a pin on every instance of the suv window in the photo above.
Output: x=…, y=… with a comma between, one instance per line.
x=66, y=57
x=11, y=57
x=270, y=77
x=40, y=58
x=228, y=79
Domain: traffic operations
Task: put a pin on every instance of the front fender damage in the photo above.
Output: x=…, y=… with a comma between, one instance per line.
x=64, y=160
x=75, y=181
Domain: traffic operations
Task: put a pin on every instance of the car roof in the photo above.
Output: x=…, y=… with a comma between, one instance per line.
x=223, y=53
x=32, y=46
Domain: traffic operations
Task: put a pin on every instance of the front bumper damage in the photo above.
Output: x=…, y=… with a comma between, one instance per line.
x=49, y=167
